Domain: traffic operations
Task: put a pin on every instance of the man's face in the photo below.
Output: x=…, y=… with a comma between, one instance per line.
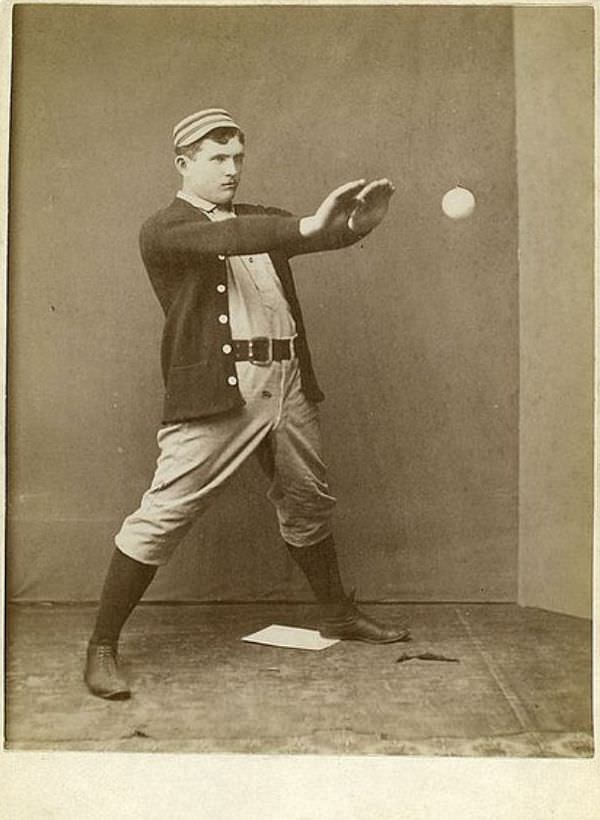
x=214, y=173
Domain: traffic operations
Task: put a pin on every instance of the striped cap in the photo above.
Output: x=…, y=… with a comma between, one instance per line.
x=197, y=125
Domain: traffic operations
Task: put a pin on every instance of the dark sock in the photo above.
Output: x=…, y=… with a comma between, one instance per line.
x=320, y=566
x=126, y=581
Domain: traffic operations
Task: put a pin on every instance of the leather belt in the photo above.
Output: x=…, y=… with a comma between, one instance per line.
x=262, y=350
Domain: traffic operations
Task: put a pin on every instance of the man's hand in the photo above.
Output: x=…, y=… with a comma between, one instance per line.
x=371, y=206
x=334, y=212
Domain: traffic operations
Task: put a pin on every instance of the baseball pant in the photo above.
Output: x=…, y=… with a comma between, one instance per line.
x=198, y=457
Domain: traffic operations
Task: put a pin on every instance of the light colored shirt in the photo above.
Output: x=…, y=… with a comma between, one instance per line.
x=257, y=304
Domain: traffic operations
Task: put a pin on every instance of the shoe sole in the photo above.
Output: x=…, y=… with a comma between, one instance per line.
x=125, y=695
x=400, y=639
x=117, y=694
x=120, y=694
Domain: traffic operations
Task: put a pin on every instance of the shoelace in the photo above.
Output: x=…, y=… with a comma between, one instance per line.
x=106, y=656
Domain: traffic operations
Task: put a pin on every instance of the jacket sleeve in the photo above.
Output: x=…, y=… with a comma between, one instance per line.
x=190, y=236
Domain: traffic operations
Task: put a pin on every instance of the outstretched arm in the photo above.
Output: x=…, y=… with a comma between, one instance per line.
x=184, y=233
x=345, y=215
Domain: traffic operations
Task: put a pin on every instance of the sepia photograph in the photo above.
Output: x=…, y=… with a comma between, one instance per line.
x=300, y=381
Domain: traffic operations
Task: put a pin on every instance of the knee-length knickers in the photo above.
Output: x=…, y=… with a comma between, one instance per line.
x=198, y=457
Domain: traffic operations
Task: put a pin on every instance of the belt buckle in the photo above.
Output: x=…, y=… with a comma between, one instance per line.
x=260, y=340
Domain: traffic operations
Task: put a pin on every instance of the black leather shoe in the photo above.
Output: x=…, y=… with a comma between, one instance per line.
x=347, y=623
x=102, y=674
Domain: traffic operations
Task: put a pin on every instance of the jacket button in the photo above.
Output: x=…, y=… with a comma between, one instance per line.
x=221, y=257
x=226, y=348
x=223, y=318
x=221, y=288
x=232, y=380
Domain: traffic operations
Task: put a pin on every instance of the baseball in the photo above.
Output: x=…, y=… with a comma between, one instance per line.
x=458, y=203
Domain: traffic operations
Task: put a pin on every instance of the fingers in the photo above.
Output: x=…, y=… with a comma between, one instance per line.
x=358, y=190
x=347, y=191
x=348, y=201
x=377, y=187
x=371, y=205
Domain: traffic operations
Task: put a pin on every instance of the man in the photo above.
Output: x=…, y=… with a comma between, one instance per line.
x=238, y=379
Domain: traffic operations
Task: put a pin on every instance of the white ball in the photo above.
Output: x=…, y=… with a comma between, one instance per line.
x=458, y=203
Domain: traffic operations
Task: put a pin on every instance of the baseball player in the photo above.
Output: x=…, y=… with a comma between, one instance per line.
x=238, y=379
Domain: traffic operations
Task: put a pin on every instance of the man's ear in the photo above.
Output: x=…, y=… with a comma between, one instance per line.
x=180, y=163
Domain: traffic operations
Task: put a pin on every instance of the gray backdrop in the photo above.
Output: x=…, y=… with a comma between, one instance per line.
x=415, y=335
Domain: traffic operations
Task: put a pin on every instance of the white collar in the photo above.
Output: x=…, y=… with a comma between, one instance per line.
x=198, y=202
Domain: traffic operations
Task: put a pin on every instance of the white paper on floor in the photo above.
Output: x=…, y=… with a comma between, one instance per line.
x=290, y=637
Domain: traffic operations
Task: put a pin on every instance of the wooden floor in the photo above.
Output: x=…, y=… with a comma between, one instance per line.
x=522, y=686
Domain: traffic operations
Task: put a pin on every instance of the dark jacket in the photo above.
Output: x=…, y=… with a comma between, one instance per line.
x=185, y=255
